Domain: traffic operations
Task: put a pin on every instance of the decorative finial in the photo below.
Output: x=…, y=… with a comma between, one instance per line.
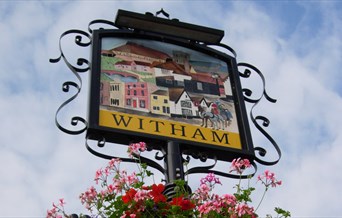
x=163, y=13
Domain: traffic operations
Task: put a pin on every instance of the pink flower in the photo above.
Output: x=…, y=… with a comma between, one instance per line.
x=204, y=208
x=88, y=196
x=107, y=171
x=242, y=209
x=110, y=188
x=61, y=202
x=210, y=205
x=239, y=165
x=113, y=162
x=56, y=209
x=228, y=199
x=51, y=213
x=136, y=148
x=204, y=188
x=202, y=193
x=268, y=179
x=132, y=178
x=141, y=195
x=98, y=175
x=210, y=178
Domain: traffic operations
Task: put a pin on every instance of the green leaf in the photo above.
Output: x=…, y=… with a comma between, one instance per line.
x=282, y=212
x=149, y=173
x=244, y=195
x=143, y=166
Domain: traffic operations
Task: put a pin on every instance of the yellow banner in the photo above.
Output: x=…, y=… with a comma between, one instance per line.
x=161, y=127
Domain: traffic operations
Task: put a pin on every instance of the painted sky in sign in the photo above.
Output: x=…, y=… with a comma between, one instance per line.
x=296, y=44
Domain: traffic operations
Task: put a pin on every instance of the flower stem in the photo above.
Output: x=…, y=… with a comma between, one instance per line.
x=262, y=198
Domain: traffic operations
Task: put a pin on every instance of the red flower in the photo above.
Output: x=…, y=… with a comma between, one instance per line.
x=185, y=204
x=156, y=193
x=129, y=195
x=145, y=188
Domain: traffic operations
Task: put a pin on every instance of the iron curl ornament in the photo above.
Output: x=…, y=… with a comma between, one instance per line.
x=82, y=39
x=255, y=119
x=89, y=39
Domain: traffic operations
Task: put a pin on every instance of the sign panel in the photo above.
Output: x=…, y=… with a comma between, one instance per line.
x=158, y=88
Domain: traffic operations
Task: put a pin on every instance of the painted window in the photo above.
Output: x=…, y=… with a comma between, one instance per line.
x=186, y=112
x=186, y=104
x=142, y=104
x=199, y=86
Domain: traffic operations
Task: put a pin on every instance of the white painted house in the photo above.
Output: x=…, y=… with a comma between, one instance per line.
x=181, y=103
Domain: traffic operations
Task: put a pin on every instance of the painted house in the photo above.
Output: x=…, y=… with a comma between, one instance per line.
x=116, y=94
x=170, y=74
x=160, y=103
x=181, y=103
x=137, y=96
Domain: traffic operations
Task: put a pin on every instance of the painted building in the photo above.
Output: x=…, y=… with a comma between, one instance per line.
x=137, y=96
x=116, y=94
x=160, y=103
x=181, y=103
x=170, y=74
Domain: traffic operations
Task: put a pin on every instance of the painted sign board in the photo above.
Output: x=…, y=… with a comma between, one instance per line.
x=158, y=89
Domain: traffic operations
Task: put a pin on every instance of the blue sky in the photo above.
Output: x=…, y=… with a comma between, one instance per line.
x=296, y=44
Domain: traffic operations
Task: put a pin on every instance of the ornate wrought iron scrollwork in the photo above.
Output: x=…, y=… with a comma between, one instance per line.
x=75, y=70
x=228, y=48
x=209, y=168
x=101, y=143
x=265, y=122
x=82, y=65
x=100, y=22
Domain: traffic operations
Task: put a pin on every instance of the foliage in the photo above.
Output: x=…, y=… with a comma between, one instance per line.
x=126, y=195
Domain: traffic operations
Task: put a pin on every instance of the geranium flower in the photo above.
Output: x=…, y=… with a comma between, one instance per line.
x=129, y=196
x=185, y=204
x=157, y=193
x=239, y=165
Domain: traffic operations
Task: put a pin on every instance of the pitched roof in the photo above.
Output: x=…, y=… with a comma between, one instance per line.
x=175, y=93
x=160, y=92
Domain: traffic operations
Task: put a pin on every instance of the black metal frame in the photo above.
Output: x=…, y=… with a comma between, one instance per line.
x=125, y=137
